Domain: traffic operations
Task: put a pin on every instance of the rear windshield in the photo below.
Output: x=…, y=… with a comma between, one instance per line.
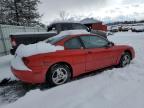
x=53, y=40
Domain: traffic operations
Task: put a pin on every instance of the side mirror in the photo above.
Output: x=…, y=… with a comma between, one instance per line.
x=82, y=48
x=88, y=29
x=109, y=33
x=110, y=44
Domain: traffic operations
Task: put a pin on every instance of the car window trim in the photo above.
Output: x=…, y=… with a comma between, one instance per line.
x=81, y=42
x=94, y=47
x=78, y=40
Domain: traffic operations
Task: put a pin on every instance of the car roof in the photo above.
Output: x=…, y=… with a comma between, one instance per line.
x=67, y=33
x=65, y=23
x=84, y=34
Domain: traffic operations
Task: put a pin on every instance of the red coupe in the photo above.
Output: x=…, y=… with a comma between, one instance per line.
x=82, y=53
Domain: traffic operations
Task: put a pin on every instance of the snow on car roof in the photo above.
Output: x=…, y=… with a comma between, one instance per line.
x=89, y=21
x=72, y=32
x=61, y=22
x=68, y=32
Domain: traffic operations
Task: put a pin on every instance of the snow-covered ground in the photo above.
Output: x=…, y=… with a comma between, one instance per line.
x=5, y=72
x=116, y=88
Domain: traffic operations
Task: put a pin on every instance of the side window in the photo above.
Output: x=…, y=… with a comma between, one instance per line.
x=78, y=26
x=51, y=27
x=66, y=26
x=93, y=41
x=73, y=43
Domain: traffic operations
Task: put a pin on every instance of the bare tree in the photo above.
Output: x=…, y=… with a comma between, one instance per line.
x=64, y=16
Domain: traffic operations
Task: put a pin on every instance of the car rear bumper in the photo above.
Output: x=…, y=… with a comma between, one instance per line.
x=29, y=76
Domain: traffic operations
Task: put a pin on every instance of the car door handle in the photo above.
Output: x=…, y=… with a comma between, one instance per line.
x=89, y=52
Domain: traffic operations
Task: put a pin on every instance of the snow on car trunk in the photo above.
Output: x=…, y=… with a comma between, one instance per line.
x=38, y=48
x=29, y=50
x=18, y=64
x=32, y=49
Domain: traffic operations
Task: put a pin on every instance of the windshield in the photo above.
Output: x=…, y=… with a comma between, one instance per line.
x=55, y=39
x=64, y=34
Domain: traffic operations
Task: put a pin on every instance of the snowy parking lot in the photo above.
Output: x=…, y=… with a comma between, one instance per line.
x=116, y=88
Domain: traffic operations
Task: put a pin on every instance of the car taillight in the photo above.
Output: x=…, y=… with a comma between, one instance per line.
x=13, y=41
x=25, y=60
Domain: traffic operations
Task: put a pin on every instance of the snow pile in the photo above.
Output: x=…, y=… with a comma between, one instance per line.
x=18, y=64
x=37, y=48
x=29, y=50
x=5, y=71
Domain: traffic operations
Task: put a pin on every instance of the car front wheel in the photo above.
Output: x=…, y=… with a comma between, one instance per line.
x=125, y=59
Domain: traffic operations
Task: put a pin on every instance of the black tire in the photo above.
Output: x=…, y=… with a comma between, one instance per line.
x=58, y=74
x=125, y=59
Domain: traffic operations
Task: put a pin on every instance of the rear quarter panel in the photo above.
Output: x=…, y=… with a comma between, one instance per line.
x=75, y=59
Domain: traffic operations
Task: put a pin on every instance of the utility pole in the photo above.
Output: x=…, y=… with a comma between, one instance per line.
x=16, y=11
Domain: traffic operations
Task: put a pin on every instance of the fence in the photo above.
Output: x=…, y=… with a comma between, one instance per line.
x=6, y=30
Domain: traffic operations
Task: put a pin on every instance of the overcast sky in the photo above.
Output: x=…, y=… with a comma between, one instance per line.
x=107, y=10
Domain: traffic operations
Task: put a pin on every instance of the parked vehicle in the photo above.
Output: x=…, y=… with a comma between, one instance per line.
x=28, y=38
x=137, y=29
x=82, y=53
x=124, y=28
x=52, y=30
x=114, y=29
x=63, y=26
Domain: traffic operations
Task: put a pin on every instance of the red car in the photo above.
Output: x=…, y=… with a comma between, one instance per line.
x=82, y=53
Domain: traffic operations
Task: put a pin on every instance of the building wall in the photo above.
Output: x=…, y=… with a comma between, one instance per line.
x=99, y=26
x=6, y=30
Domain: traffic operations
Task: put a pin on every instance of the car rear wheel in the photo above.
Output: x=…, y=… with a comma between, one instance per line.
x=125, y=59
x=58, y=74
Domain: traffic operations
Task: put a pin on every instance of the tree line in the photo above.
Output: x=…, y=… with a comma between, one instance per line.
x=19, y=12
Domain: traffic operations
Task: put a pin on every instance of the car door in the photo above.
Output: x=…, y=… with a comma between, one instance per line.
x=98, y=55
x=76, y=55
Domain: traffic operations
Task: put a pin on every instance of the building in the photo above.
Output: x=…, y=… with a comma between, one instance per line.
x=94, y=24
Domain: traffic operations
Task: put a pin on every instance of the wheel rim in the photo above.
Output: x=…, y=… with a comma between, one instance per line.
x=59, y=76
x=125, y=60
